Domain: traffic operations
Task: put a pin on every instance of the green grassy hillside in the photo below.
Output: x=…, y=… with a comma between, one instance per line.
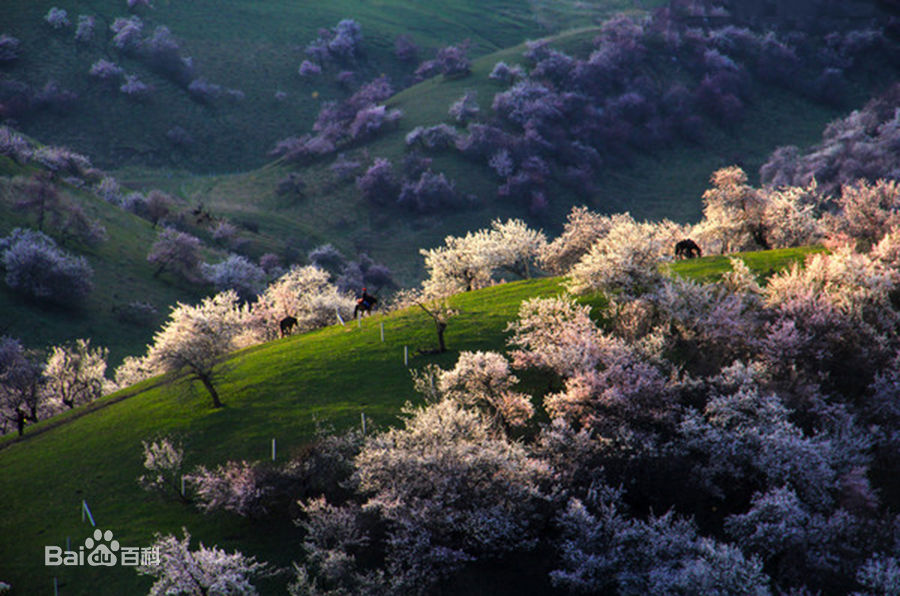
x=278, y=390
x=252, y=46
x=121, y=275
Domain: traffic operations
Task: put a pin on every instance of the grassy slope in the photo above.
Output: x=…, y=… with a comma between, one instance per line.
x=276, y=390
x=668, y=183
x=121, y=275
x=253, y=46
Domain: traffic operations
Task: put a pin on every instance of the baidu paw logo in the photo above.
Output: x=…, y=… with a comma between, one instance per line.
x=102, y=549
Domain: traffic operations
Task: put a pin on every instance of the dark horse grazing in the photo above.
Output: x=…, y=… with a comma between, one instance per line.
x=364, y=303
x=687, y=249
x=287, y=325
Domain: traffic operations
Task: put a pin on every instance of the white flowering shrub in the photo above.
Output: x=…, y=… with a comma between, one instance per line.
x=202, y=571
x=75, y=374
x=471, y=261
x=451, y=491
x=624, y=262
x=235, y=273
x=608, y=552
x=163, y=458
x=483, y=379
x=235, y=486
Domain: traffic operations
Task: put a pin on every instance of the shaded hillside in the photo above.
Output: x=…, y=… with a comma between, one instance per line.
x=121, y=274
x=657, y=182
x=251, y=51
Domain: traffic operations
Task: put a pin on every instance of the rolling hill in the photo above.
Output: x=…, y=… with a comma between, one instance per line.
x=255, y=48
x=283, y=390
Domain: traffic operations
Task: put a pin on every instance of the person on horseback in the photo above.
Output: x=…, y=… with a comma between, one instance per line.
x=364, y=303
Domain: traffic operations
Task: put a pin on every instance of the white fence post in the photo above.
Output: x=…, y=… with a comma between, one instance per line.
x=87, y=510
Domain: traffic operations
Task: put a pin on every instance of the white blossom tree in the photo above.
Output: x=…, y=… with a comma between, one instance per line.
x=484, y=379
x=733, y=214
x=305, y=293
x=625, y=261
x=163, y=458
x=205, y=571
x=75, y=374
x=196, y=338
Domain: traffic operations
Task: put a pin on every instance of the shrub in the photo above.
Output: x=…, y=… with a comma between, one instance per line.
x=57, y=18
x=10, y=48
x=431, y=192
x=236, y=273
x=134, y=88
x=105, y=70
x=379, y=185
x=37, y=268
x=308, y=69
x=465, y=108
x=75, y=374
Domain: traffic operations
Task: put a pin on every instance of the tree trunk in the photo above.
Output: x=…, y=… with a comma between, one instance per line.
x=441, y=327
x=207, y=382
x=20, y=422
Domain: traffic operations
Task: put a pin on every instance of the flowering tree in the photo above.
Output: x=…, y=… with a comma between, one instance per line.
x=379, y=184
x=868, y=211
x=626, y=261
x=450, y=491
x=36, y=267
x=9, y=48
x=84, y=31
x=305, y=293
x=609, y=552
x=236, y=273
x=581, y=230
x=555, y=333
x=483, y=379
x=202, y=571
x=469, y=262
x=57, y=18
x=238, y=487
x=733, y=213
x=163, y=458
x=195, y=338
x=465, y=108
x=75, y=375
x=177, y=252
x=21, y=380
